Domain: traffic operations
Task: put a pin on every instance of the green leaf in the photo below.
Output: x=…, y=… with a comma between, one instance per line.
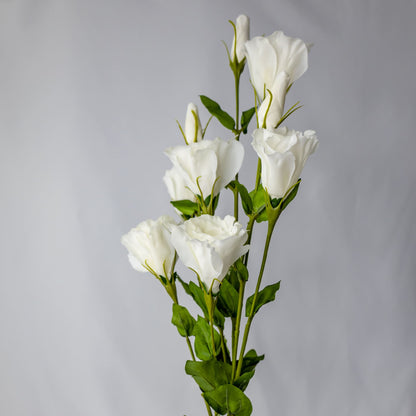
x=185, y=206
x=250, y=360
x=227, y=300
x=229, y=399
x=241, y=270
x=214, y=108
x=245, y=197
x=246, y=118
x=232, y=277
x=291, y=196
x=259, y=204
x=243, y=380
x=219, y=319
x=203, y=342
x=214, y=201
x=197, y=295
x=266, y=295
x=183, y=320
x=209, y=374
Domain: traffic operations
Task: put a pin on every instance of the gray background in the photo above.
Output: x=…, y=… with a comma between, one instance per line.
x=89, y=94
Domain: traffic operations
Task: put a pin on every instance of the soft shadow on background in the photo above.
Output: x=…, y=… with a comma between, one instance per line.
x=89, y=94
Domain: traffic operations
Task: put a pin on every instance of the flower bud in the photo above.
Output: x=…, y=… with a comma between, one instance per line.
x=193, y=130
x=242, y=30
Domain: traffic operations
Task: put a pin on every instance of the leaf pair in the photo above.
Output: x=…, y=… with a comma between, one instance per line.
x=224, y=118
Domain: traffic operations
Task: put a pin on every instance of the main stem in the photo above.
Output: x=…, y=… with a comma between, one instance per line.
x=236, y=326
x=251, y=316
x=237, y=122
x=188, y=342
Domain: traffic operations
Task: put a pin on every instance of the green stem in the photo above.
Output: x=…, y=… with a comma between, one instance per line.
x=237, y=328
x=237, y=122
x=223, y=345
x=211, y=321
x=251, y=315
x=208, y=407
x=258, y=175
x=236, y=200
x=188, y=342
x=237, y=321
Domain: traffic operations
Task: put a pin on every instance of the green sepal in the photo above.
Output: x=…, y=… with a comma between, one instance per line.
x=291, y=196
x=243, y=380
x=214, y=108
x=227, y=299
x=203, y=342
x=266, y=295
x=246, y=117
x=259, y=204
x=214, y=201
x=186, y=207
x=209, y=374
x=250, y=360
x=183, y=320
x=245, y=196
x=229, y=399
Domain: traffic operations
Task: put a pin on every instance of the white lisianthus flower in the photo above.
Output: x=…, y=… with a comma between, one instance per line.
x=210, y=163
x=275, y=62
x=283, y=155
x=193, y=129
x=177, y=187
x=149, y=246
x=242, y=26
x=209, y=245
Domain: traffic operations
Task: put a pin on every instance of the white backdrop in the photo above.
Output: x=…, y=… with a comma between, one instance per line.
x=89, y=94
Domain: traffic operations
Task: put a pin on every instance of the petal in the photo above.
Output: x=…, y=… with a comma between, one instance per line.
x=230, y=158
x=292, y=54
x=262, y=63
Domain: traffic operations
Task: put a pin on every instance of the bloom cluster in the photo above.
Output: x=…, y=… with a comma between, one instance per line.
x=217, y=249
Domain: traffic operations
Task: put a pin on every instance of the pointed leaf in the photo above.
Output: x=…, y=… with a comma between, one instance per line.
x=241, y=270
x=209, y=374
x=250, y=360
x=266, y=295
x=203, y=342
x=291, y=196
x=246, y=118
x=259, y=204
x=185, y=206
x=197, y=295
x=183, y=320
x=227, y=300
x=243, y=380
x=229, y=399
x=214, y=108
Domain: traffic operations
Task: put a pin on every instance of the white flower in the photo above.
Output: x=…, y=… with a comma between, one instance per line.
x=193, y=129
x=283, y=154
x=149, y=247
x=275, y=62
x=274, y=110
x=177, y=188
x=242, y=26
x=209, y=245
x=213, y=163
